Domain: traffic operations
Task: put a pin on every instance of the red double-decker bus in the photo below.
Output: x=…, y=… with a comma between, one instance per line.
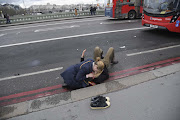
x=124, y=8
x=163, y=14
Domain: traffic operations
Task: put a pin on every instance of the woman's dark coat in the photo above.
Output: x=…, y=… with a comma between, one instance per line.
x=102, y=77
x=75, y=75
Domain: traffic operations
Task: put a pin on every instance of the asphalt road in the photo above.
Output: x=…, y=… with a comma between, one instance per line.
x=29, y=50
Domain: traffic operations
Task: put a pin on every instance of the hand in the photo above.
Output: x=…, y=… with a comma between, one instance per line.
x=90, y=75
x=82, y=56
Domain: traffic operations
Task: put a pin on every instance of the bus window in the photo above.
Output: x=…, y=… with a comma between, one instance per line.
x=178, y=6
x=158, y=6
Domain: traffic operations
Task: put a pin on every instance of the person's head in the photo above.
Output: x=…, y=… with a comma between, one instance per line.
x=98, y=67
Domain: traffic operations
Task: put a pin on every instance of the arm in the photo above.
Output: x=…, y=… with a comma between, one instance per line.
x=82, y=59
x=82, y=75
x=82, y=56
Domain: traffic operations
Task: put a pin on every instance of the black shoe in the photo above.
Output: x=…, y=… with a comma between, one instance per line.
x=102, y=55
x=114, y=62
x=94, y=99
x=100, y=104
x=65, y=86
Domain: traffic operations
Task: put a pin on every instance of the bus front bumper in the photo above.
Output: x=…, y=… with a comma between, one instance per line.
x=155, y=26
x=169, y=26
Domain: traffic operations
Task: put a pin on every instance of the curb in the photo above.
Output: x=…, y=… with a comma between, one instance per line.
x=80, y=94
x=61, y=19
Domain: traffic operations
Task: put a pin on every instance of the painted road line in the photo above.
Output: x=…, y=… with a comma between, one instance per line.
x=111, y=74
x=30, y=92
x=18, y=100
x=59, y=86
x=126, y=75
x=56, y=28
x=32, y=97
x=74, y=36
x=150, y=51
x=142, y=70
x=16, y=28
x=145, y=66
x=64, y=90
x=30, y=74
x=119, y=22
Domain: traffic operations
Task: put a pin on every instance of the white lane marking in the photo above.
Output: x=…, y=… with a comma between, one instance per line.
x=30, y=74
x=127, y=21
x=2, y=35
x=150, y=51
x=56, y=28
x=74, y=36
x=50, y=24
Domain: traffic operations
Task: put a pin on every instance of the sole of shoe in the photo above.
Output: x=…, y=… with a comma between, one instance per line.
x=108, y=99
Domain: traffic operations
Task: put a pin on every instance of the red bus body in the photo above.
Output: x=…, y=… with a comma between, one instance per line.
x=124, y=9
x=163, y=20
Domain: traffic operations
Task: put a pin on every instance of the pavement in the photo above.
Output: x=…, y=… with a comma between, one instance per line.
x=50, y=20
x=152, y=95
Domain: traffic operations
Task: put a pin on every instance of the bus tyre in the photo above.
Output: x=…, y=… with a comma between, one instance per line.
x=132, y=15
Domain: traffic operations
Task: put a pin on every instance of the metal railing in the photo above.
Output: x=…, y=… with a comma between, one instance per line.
x=29, y=18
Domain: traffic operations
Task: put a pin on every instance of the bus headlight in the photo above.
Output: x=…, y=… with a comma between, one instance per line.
x=175, y=17
x=143, y=14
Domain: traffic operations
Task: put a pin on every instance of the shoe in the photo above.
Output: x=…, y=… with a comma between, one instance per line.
x=102, y=55
x=100, y=104
x=65, y=86
x=100, y=98
x=114, y=62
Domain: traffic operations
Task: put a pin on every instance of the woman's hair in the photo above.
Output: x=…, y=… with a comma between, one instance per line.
x=100, y=66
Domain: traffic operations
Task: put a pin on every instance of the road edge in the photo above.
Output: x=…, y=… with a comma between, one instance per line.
x=80, y=94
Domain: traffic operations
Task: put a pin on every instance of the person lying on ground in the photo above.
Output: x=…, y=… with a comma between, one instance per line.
x=78, y=76
x=109, y=58
x=101, y=78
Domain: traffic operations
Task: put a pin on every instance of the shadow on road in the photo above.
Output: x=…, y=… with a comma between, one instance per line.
x=122, y=19
x=164, y=33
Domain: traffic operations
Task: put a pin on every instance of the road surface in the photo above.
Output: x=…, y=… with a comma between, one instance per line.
x=33, y=56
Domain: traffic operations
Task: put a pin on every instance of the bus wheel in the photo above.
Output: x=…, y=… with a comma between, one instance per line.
x=132, y=15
